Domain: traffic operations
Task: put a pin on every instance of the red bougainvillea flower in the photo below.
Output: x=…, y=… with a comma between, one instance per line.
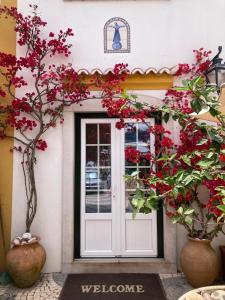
x=132, y=155
x=41, y=145
x=167, y=142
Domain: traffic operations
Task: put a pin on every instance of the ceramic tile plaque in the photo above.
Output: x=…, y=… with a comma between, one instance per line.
x=116, y=36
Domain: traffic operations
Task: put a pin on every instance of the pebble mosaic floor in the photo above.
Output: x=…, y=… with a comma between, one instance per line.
x=49, y=287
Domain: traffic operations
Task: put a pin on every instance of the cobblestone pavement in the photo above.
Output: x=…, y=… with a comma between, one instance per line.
x=49, y=287
x=45, y=289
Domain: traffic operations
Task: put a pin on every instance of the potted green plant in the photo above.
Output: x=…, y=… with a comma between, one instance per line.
x=177, y=171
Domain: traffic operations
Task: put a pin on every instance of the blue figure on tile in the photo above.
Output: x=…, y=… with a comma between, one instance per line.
x=117, y=45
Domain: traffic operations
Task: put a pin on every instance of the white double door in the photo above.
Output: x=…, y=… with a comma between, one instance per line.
x=108, y=228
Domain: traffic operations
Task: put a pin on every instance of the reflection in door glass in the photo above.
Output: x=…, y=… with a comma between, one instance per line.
x=131, y=134
x=128, y=198
x=98, y=168
x=137, y=136
x=105, y=179
x=105, y=156
x=92, y=179
x=91, y=133
x=105, y=201
x=104, y=133
x=143, y=133
x=91, y=156
x=91, y=202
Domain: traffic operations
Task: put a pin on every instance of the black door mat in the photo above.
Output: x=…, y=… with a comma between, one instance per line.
x=113, y=287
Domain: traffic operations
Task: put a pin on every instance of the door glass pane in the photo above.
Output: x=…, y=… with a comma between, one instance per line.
x=105, y=134
x=105, y=202
x=129, y=196
x=131, y=184
x=105, y=156
x=137, y=136
x=91, y=178
x=145, y=155
x=91, y=202
x=91, y=156
x=98, y=168
x=143, y=133
x=144, y=174
x=131, y=134
x=91, y=134
x=105, y=179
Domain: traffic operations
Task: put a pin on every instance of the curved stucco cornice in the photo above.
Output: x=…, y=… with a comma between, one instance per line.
x=164, y=70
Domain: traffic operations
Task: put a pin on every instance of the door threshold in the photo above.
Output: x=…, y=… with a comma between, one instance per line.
x=117, y=259
x=120, y=265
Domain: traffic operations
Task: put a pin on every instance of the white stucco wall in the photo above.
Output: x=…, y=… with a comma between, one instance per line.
x=163, y=33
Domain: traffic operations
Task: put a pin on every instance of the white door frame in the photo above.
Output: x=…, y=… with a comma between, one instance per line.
x=118, y=219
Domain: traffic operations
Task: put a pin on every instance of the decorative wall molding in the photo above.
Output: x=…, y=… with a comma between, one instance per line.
x=164, y=70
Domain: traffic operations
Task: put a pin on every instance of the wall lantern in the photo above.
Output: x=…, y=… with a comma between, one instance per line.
x=215, y=75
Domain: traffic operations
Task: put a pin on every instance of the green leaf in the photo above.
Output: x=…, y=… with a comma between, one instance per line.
x=187, y=180
x=166, y=117
x=215, y=137
x=196, y=105
x=188, y=220
x=175, y=219
x=179, y=176
x=135, y=173
x=202, y=142
x=186, y=159
x=189, y=211
x=216, y=145
x=207, y=175
x=221, y=207
x=163, y=158
x=214, y=112
x=139, y=105
x=172, y=156
x=180, y=210
x=210, y=154
x=205, y=163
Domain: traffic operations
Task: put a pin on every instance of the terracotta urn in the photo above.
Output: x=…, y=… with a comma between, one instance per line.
x=25, y=262
x=199, y=262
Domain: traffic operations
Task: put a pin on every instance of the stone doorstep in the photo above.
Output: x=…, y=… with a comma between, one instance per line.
x=120, y=265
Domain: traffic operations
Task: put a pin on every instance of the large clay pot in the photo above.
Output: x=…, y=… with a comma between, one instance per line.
x=199, y=262
x=24, y=263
